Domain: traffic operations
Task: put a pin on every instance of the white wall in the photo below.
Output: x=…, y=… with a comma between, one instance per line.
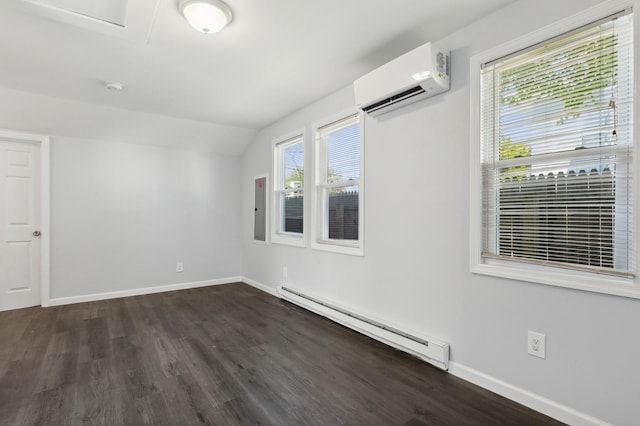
x=415, y=272
x=132, y=194
x=124, y=214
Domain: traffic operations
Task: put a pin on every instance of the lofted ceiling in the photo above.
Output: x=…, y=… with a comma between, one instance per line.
x=276, y=56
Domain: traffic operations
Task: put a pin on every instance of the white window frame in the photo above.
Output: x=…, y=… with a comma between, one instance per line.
x=318, y=239
x=627, y=287
x=278, y=236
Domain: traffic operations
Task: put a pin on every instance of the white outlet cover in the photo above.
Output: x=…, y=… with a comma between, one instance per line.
x=537, y=344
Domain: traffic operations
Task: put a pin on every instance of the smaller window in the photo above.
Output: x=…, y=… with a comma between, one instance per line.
x=338, y=184
x=288, y=160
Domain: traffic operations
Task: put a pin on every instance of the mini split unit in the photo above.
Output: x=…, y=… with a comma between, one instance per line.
x=418, y=74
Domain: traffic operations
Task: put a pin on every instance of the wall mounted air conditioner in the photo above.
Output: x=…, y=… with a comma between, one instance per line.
x=418, y=74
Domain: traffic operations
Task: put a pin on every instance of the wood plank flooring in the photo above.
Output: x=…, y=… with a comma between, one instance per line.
x=221, y=355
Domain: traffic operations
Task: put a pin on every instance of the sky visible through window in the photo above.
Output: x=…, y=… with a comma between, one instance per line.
x=343, y=150
x=294, y=166
x=549, y=125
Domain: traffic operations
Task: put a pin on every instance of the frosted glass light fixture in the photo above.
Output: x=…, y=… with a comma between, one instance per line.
x=206, y=16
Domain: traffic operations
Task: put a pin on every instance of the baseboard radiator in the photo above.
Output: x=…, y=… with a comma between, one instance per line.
x=431, y=350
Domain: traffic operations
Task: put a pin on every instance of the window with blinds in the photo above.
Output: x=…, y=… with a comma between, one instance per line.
x=289, y=188
x=338, y=185
x=556, y=132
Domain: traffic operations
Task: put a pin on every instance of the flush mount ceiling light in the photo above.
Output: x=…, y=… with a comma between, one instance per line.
x=206, y=16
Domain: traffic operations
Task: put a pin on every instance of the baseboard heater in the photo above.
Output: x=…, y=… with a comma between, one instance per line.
x=431, y=350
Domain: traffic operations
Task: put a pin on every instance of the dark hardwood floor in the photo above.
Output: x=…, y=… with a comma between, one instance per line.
x=224, y=355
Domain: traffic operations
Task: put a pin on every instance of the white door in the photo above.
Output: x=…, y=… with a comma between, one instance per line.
x=19, y=225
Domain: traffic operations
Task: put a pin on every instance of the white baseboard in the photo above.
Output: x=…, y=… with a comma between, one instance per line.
x=528, y=399
x=140, y=291
x=267, y=289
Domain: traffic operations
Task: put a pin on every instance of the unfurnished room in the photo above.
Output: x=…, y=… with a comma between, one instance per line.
x=298, y=212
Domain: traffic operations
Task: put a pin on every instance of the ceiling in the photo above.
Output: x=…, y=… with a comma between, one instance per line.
x=274, y=58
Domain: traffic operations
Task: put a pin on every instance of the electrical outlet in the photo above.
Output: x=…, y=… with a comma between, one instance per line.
x=179, y=267
x=537, y=344
x=284, y=272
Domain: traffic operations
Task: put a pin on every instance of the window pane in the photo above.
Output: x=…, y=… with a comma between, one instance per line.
x=292, y=211
x=343, y=154
x=343, y=217
x=289, y=189
x=567, y=94
x=559, y=217
x=293, y=158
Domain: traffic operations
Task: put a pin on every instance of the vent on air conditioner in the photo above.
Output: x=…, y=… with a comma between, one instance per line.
x=407, y=94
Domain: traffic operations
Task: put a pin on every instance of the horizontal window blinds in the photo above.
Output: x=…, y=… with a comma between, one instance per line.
x=342, y=143
x=557, y=145
x=293, y=162
x=340, y=179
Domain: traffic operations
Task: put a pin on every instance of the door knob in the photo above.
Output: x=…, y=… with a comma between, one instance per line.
x=36, y=233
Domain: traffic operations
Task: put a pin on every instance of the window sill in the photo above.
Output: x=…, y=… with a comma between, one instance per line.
x=289, y=240
x=625, y=287
x=351, y=249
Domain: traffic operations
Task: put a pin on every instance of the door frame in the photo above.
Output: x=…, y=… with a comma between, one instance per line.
x=45, y=203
